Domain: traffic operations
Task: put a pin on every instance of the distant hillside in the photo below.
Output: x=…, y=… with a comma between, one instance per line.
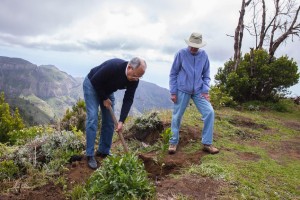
x=52, y=91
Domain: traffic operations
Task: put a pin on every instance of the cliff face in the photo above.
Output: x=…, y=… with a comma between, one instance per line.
x=18, y=77
x=45, y=87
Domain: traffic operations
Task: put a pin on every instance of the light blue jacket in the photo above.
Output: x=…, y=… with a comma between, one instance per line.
x=190, y=73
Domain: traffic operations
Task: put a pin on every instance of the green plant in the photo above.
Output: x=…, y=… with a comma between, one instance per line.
x=219, y=98
x=3, y=149
x=146, y=122
x=62, y=182
x=8, y=121
x=120, y=177
x=8, y=169
x=75, y=118
x=78, y=192
x=20, y=137
x=256, y=78
x=165, y=137
x=54, y=148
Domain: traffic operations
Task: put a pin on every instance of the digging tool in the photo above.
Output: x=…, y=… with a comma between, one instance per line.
x=119, y=132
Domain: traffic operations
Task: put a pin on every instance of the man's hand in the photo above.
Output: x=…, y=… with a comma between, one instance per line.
x=119, y=127
x=107, y=103
x=174, y=98
x=206, y=96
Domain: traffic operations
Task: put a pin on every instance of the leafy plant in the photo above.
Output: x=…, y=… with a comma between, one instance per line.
x=256, y=78
x=146, y=128
x=8, y=121
x=75, y=118
x=78, y=192
x=165, y=137
x=120, y=177
x=53, y=148
x=146, y=122
x=219, y=98
x=8, y=169
x=20, y=137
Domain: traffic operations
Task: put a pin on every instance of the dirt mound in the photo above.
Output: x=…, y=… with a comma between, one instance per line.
x=194, y=187
x=49, y=191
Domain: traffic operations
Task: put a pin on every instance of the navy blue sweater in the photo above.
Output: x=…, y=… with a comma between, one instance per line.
x=109, y=77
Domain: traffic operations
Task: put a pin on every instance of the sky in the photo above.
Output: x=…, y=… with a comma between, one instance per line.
x=77, y=35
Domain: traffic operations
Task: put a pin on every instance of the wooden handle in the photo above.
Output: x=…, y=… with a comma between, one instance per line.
x=119, y=132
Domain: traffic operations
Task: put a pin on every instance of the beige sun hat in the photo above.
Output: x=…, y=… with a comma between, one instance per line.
x=195, y=40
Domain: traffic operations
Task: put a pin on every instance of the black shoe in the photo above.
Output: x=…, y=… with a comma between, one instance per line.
x=101, y=155
x=92, y=163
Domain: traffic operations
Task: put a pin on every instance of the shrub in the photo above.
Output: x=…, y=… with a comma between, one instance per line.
x=8, y=121
x=219, y=99
x=146, y=128
x=256, y=78
x=165, y=138
x=59, y=146
x=20, y=137
x=74, y=118
x=8, y=170
x=283, y=105
x=120, y=178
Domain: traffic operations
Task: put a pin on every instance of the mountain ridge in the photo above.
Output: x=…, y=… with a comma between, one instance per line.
x=53, y=91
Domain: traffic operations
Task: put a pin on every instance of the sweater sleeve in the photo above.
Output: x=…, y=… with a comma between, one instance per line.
x=206, y=76
x=128, y=100
x=176, y=66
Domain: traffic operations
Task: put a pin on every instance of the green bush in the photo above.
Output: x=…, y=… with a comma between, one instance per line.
x=3, y=149
x=8, y=170
x=54, y=149
x=75, y=118
x=8, y=121
x=20, y=137
x=283, y=105
x=219, y=99
x=150, y=121
x=120, y=178
x=256, y=78
x=165, y=138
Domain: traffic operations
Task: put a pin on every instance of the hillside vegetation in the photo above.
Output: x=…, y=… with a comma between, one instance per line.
x=259, y=159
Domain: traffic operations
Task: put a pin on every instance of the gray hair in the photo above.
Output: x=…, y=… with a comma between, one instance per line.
x=136, y=62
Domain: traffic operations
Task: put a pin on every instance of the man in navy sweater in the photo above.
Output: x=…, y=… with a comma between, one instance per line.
x=98, y=88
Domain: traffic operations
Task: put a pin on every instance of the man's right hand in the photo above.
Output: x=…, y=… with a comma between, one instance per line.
x=174, y=98
x=107, y=103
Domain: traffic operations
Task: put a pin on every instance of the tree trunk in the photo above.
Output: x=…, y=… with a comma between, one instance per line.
x=263, y=26
x=238, y=36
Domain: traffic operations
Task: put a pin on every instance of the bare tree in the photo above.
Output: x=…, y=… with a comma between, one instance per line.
x=282, y=24
x=238, y=36
x=285, y=22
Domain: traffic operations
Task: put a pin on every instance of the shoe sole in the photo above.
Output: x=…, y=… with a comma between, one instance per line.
x=210, y=151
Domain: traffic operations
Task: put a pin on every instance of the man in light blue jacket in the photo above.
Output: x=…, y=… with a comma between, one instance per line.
x=189, y=79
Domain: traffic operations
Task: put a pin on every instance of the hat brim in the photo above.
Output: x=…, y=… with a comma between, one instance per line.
x=194, y=44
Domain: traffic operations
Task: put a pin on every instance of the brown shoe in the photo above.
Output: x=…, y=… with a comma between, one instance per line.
x=210, y=149
x=172, y=148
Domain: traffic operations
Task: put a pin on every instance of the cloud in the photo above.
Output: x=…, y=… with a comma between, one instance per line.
x=34, y=17
x=154, y=30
